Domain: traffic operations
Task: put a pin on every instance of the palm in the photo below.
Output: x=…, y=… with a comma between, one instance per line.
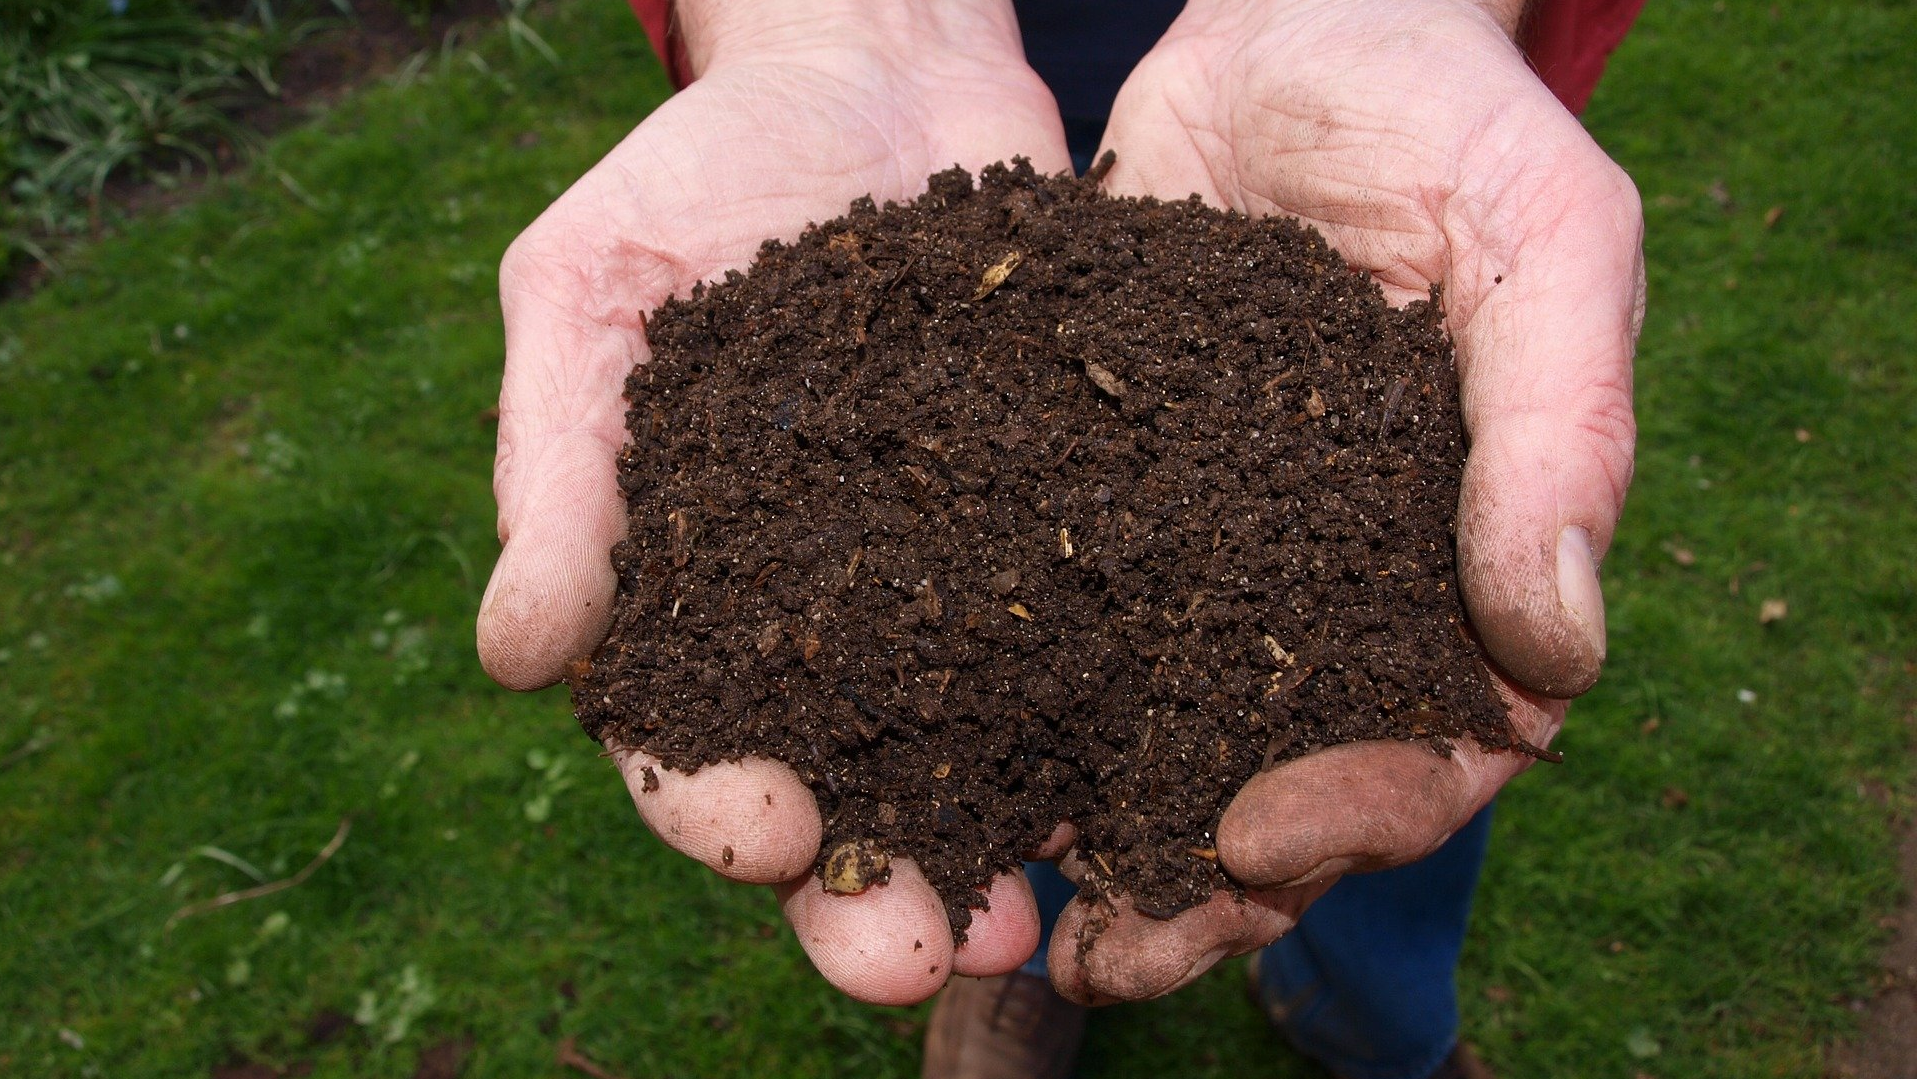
x=1420, y=152
x=738, y=157
x=1410, y=134
x=751, y=151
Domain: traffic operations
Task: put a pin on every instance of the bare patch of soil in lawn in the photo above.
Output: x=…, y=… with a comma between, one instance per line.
x=1886, y=1046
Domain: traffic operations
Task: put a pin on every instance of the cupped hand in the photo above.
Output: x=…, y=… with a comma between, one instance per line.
x=1412, y=134
x=799, y=108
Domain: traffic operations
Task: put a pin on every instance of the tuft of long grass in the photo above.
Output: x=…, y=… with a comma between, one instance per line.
x=87, y=101
x=94, y=93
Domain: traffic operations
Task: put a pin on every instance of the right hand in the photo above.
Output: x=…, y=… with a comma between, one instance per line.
x=800, y=107
x=1414, y=136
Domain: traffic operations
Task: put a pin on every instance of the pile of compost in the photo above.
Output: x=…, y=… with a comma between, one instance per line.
x=1019, y=504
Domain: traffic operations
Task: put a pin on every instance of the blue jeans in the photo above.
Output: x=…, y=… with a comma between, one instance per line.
x=1366, y=983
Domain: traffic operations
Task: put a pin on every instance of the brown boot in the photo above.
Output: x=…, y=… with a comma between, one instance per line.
x=1463, y=1063
x=1010, y=1027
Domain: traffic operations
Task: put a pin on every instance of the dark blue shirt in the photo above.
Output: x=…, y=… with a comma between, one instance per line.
x=1084, y=49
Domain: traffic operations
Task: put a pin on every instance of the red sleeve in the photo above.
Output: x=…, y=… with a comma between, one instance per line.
x=656, y=17
x=1568, y=41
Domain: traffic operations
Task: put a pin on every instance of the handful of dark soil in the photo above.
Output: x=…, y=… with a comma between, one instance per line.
x=1021, y=504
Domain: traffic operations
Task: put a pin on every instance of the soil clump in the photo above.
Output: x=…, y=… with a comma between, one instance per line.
x=1019, y=503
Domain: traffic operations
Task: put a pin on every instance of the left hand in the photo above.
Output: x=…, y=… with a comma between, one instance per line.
x=800, y=106
x=1412, y=134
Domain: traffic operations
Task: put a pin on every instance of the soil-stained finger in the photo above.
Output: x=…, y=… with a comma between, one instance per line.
x=890, y=944
x=1002, y=936
x=550, y=596
x=751, y=820
x=1366, y=806
x=1133, y=957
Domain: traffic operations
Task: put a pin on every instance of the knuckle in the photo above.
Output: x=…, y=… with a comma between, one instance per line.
x=1621, y=195
x=1610, y=425
x=529, y=248
x=1612, y=206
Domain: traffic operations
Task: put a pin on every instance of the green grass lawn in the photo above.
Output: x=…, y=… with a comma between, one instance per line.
x=245, y=520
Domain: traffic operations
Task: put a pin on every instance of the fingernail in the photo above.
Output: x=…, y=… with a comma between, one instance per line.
x=1578, y=591
x=1330, y=867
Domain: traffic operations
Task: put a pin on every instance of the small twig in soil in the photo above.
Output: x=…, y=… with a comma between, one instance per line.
x=1070, y=448
x=759, y=579
x=616, y=746
x=1197, y=600
x=1278, y=744
x=894, y=283
x=326, y=853
x=1548, y=756
x=1391, y=405
x=1282, y=378
x=866, y=708
x=1096, y=174
x=878, y=303
x=680, y=537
